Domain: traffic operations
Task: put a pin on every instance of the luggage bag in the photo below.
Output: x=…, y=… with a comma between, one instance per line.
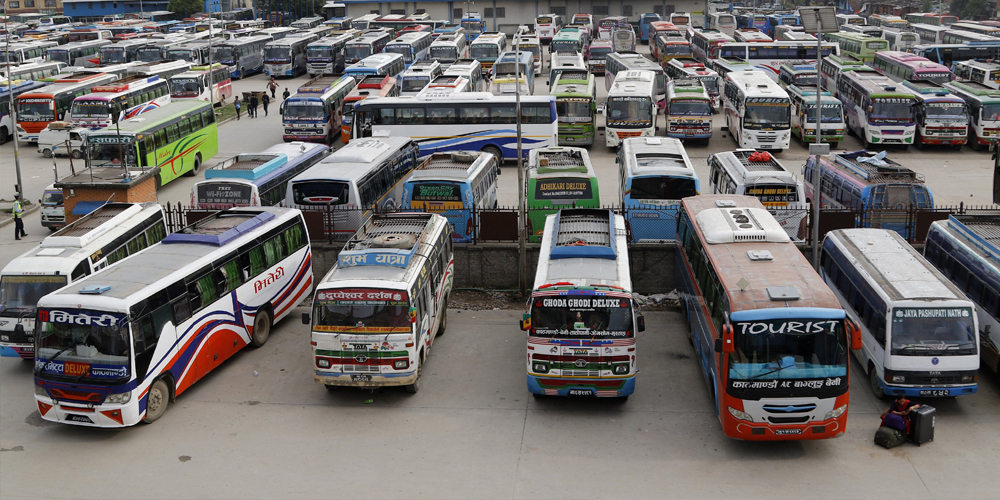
x=922, y=424
x=887, y=437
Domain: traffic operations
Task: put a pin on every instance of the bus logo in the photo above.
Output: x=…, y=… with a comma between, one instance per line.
x=580, y=363
x=361, y=358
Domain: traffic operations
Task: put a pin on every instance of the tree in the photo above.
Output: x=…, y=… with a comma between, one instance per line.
x=928, y=5
x=975, y=9
x=186, y=7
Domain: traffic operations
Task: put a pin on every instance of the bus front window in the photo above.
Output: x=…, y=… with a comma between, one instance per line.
x=319, y=53
x=181, y=55
x=403, y=50
x=807, y=79
x=690, y=107
x=778, y=349
x=149, y=54
x=676, y=49
x=415, y=84
x=582, y=317
x=565, y=45
x=954, y=111
x=112, y=55
x=184, y=87
x=58, y=56
x=767, y=113
x=105, y=151
x=892, y=110
x=362, y=311
x=223, y=54
x=89, y=109
x=629, y=112
x=599, y=53
x=20, y=294
x=661, y=187
x=277, y=54
x=444, y=54
x=79, y=344
x=305, y=110
x=711, y=84
x=35, y=110
x=484, y=51
x=991, y=112
x=924, y=331
x=574, y=110
x=357, y=52
x=831, y=113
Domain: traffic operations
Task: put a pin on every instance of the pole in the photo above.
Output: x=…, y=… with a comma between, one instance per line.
x=817, y=194
x=523, y=254
x=13, y=113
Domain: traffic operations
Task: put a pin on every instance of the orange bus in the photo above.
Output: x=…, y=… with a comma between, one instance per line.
x=36, y=110
x=369, y=86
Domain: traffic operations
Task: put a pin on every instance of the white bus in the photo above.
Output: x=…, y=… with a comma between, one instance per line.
x=920, y=333
x=630, y=109
x=25, y=52
x=444, y=85
x=449, y=48
x=722, y=21
x=877, y=109
x=413, y=46
x=194, y=52
x=769, y=56
x=85, y=53
x=99, y=239
x=420, y=74
x=33, y=71
x=547, y=25
x=114, y=349
x=928, y=33
x=744, y=172
x=486, y=48
x=984, y=111
x=982, y=72
x=119, y=100
x=377, y=312
x=757, y=111
x=471, y=69
x=287, y=57
x=902, y=41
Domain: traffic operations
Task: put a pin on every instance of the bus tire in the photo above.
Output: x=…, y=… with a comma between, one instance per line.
x=4, y=135
x=974, y=143
x=877, y=389
x=197, y=166
x=243, y=73
x=157, y=401
x=443, y=325
x=47, y=153
x=415, y=386
x=833, y=145
x=495, y=151
x=261, y=327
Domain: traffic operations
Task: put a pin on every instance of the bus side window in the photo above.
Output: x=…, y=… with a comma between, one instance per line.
x=82, y=269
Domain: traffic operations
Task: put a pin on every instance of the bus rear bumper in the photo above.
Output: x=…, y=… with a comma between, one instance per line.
x=601, y=388
x=373, y=379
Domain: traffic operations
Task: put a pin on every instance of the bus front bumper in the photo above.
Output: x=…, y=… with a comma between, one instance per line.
x=929, y=391
x=365, y=379
x=750, y=431
x=81, y=414
x=593, y=387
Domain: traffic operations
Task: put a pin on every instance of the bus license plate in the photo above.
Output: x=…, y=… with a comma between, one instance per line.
x=581, y=392
x=361, y=378
x=937, y=392
x=787, y=431
x=4, y=338
x=79, y=418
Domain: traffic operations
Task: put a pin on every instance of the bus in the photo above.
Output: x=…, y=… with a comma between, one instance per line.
x=761, y=175
x=694, y=70
x=34, y=71
x=688, y=111
x=474, y=121
x=942, y=118
x=757, y=109
x=377, y=64
x=948, y=54
x=412, y=46
x=152, y=328
x=631, y=106
x=200, y=83
x=245, y=55
x=797, y=74
x=769, y=56
x=665, y=49
x=581, y=319
x=645, y=20
x=454, y=185
x=155, y=49
x=15, y=87
x=623, y=38
x=25, y=52
x=474, y=26
x=576, y=107
x=654, y=174
x=903, y=66
x=920, y=333
x=803, y=113
x=857, y=45
x=568, y=41
x=83, y=53
x=418, y=76
x=596, y=54
x=954, y=36
x=377, y=312
x=877, y=109
x=367, y=86
x=917, y=18
x=705, y=45
x=888, y=21
x=832, y=69
x=508, y=65
x=606, y=25
x=37, y=109
x=584, y=19
x=722, y=21
x=364, y=176
x=848, y=19
x=751, y=35
x=982, y=72
x=255, y=179
x=984, y=111
x=961, y=248
x=680, y=18
x=121, y=52
x=119, y=100
x=751, y=20
x=487, y=48
x=929, y=34
x=368, y=43
x=616, y=63
x=307, y=22
x=178, y=138
x=195, y=52
x=315, y=112
x=901, y=40
x=547, y=25
x=776, y=363
x=445, y=85
x=775, y=20
x=557, y=178
x=325, y=56
x=106, y=235
x=665, y=28
x=287, y=57
x=973, y=27
x=792, y=34
x=449, y=49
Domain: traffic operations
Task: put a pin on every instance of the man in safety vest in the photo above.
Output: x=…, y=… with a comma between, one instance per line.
x=18, y=213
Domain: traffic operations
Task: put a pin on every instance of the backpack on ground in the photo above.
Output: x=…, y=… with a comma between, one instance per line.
x=887, y=437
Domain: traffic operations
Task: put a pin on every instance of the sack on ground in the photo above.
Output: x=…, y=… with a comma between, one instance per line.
x=887, y=437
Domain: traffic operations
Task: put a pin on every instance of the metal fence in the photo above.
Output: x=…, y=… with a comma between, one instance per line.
x=503, y=224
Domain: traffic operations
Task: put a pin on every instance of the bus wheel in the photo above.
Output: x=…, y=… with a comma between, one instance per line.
x=4, y=135
x=261, y=328
x=197, y=166
x=243, y=73
x=157, y=401
x=47, y=153
x=444, y=320
x=833, y=145
x=974, y=144
x=918, y=143
x=415, y=386
x=495, y=151
x=873, y=378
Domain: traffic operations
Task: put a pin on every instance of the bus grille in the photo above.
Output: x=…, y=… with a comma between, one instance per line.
x=361, y=368
x=788, y=420
x=581, y=373
x=767, y=138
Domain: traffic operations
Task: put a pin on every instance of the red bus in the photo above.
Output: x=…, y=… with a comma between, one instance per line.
x=371, y=85
x=36, y=110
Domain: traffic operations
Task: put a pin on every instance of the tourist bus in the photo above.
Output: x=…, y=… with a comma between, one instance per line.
x=474, y=25
x=200, y=83
x=315, y=112
x=469, y=69
x=631, y=106
x=776, y=363
x=757, y=111
x=581, y=318
x=155, y=48
x=474, y=121
x=797, y=74
x=931, y=19
x=325, y=56
x=568, y=41
x=954, y=36
x=244, y=56
x=576, y=107
x=25, y=52
x=948, y=54
x=984, y=111
x=83, y=53
x=751, y=20
x=849, y=183
x=376, y=64
x=15, y=87
x=307, y=22
x=942, y=118
x=255, y=179
x=121, y=52
x=761, y=175
x=178, y=138
x=367, y=86
x=803, y=114
x=196, y=52
x=724, y=66
x=857, y=45
x=487, y=48
x=114, y=349
x=106, y=235
x=377, y=312
x=364, y=176
x=982, y=72
x=510, y=63
x=558, y=177
x=606, y=25
x=832, y=69
x=119, y=100
x=412, y=46
x=34, y=71
x=919, y=331
x=705, y=45
x=449, y=49
x=287, y=57
x=645, y=19
x=455, y=185
x=722, y=21
x=365, y=45
x=961, y=248
x=694, y=70
x=596, y=54
x=418, y=76
x=751, y=35
x=903, y=66
x=769, y=56
x=877, y=109
x=665, y=49
x=688, y=111
x=654, y=174
x=929, y=34
x=37, y=109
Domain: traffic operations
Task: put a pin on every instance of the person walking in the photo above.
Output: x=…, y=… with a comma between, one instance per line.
x=265, y=100
x=254, y=102
x=18, y=213
x=273, y=87
x=285, y=94
x=236, y=104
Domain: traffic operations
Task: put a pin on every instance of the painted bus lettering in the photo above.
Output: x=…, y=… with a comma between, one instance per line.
x=786, y=327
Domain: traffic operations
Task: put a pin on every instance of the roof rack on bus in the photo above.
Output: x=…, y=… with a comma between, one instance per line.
x=923, y=87
x=975, y=88
x=752, y=161
x=124, y=83
x=889, y=170
x=82, y=231
x=386, y=240
x=982, y=230
x=458, y=160
x=584, y=233
x=318, y=85
x=247, y=166
x=562, y=160
x=221, y=227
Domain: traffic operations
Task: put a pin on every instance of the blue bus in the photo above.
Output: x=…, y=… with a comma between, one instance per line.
x=413, y=46
x=654, y=174
x=453, y=185
x=644, y=21
x=255, y=179
x=474, y=26
x=19, y=87
x=243, y=55
x=507, y=65
x=774, y=20
x=950, y=53
x=447, y=29
x=756, y=21
x=376, y=64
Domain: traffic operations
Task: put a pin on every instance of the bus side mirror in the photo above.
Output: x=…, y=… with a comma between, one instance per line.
x=305, y=319
x=19, y=329
x=725, y=343
x=526, y=322
x=640, y=324
x=855, y=331
x=413, y=315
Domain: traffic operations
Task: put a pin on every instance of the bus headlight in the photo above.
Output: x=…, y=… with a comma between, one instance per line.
x=898, y=379
x=119, y=399
x=836, y=412
x=540, y=367
x=968, y=378
x=40, y=391
x=322, y=362
x=401, y=364
x=740, y=415
x=621, y=369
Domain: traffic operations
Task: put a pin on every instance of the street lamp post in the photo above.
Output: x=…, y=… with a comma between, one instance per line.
x=522, y=210
x=13, y=114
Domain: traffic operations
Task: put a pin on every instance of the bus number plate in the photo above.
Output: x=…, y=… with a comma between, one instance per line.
x=4, y=338
x=79, y=418
x=787, y=431
x=581, y=392
x=361, y=378
x=940, y=392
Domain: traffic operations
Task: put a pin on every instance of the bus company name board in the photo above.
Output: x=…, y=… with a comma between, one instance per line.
x=224, y=193
x=922, y=313
x=817, y=383
x=362, y=297
x=373, y=259
x=786, y=327
x=582, y=302
x=77, y=369
x=268, y=279
x=79, y=318
x=556, y=189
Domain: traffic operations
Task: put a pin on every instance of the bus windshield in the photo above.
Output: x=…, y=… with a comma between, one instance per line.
x=662, y=187
x=630, y=112
x=676, y=49
x=115, y=55
x=90, y=108
x=690, y=107
x=282, y=54
x=806, y=79
x=304, y=109
x=891, y=110
x=35, y=110
x=52, y=198
x=181, y=55
x=149, y=54
x=444, y=54
x=80, y=344
x=404, y=50
x=574, y=110
x=711, y=84
x=184, y=87
x=319, y=52
x=415, y=83
x=923, y=331
x=222, y=53
x=565, y=45
x=581, y=316
x=991, y=112
x=361, y=311
x=945, y=110
x=484, y=51
x=766, y=113
x=830, y=113
x=599, y=53
x=357, y=52
x=20, y=294
x=789, y=349
x=58, y=55
x=321, y=193
x=105, y=151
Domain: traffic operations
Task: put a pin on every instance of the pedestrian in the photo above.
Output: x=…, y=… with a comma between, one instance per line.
x=285, y=94
x=254, y=102
x=273, y=87
x=236, y=104
x=265, y=100
x=18, y=213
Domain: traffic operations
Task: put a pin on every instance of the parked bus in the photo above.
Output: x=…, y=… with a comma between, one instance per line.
x=916, y=18
x=255, y=179
x=623, y=38
x=123, y=51
x=108, y=234
x=832, y=69
x=25, y=52
x=654, y=174
x=722, y=21
x=37, y=109
x=665, y=49
x=156, y=48
x=558, y=178
x=584, y=19
x=420, y=74
x=645, y=19
x=367, y=86
x=246, y=55
x=596, y=55
x=848, y=19
x=315, y=112
x=751, y=35
x=357, y=179
x=581, y=319
x=377, y=312
x=412, y=46
x=617, y=63
x=502, y=77
x=200, y=83
x=920, y=334
x=367, y=44
x=665, y=28
x=83, y=53
x=287, y=56
x=119, y=100
x=857, y=45
x=751, y=20
x=631, y=105
x=454, y=185
x=954, y=36
x=195, y=52
x=774, y=20
x=444, y=85
x=948, y=54
x=974, y=27
x=155, y=140
x=984, y=111
x=901, y=41
x=929, y=34
x=307, y=22
x=757, y=111
x=705, y=45
x=15, y=87
x=680, y=19
x=325, y=56
x=985, y=73
x=469, y=69
x=568, y=41
x=576, y=107
x=449, y=49
x=803, y=114
x=797, y=74
x=761, y=175
x=547, y=25
x=942, y=118
x=377, y=64
x=34, y=71
x=903, y=66
x=694, y=70
x=751, y=346
x=474, y=26
x=877, y=110
x=688, y=111
x=769, y=56
x=606, y=25
x=487, y=48
x=227, y=292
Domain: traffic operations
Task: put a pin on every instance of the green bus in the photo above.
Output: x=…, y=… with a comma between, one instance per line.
x=178, y=137
x=576, y=106
x=558, y=177
x=857, y=45
x=568, y=41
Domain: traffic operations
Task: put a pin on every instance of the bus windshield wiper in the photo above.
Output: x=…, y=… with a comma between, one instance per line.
x=61, y=351
x=781, y=366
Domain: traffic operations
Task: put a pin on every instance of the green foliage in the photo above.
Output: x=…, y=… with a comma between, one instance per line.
x=928, y=5
x=186, y=7
x=975, y=9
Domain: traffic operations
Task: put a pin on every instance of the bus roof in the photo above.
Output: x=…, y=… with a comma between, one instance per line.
x=657, y=156
x=740, y=165
x=452, y=166
x=559, y=161
x=887, y=171
x=347, y=163
x=982, y=231
x=583, y=248
x=156, y=116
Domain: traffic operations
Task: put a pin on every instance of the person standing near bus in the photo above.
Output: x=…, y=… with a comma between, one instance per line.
x=273, y=87
x=252, y=110
x=18, y=213
x=236, y=104
x=265, y=100
x=285, y=94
